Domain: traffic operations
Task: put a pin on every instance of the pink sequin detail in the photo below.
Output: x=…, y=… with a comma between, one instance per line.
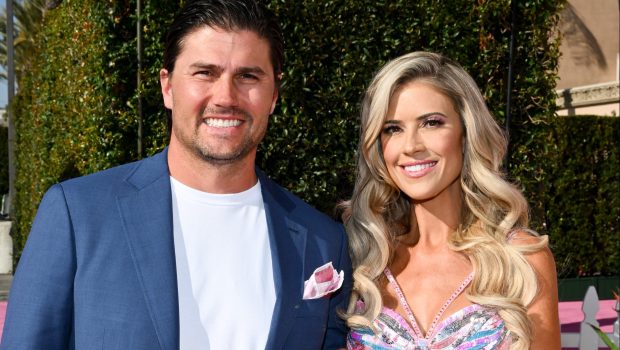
x=411, y=317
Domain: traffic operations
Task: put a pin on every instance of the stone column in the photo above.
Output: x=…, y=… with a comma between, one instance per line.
x=6, y=248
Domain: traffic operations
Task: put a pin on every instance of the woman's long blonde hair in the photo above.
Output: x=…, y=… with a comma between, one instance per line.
x=492, y=207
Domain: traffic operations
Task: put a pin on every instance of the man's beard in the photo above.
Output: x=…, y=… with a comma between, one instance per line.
x=225, y=158
x=247, y=145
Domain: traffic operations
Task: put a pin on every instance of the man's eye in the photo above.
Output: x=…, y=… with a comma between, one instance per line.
x=248, y=76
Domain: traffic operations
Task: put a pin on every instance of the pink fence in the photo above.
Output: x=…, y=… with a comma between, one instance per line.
x=2, y=312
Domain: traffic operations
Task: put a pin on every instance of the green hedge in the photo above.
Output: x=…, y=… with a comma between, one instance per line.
x=72, y=115
x=77, y=105
x=574, y=289
x=76, y=110
x=583, y=195
x=334, y=48
x=4, y=160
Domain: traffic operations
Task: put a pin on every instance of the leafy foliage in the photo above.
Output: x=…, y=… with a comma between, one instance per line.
x=582, y=197
x=71, y=112
x=76, y=111
x=313, y=135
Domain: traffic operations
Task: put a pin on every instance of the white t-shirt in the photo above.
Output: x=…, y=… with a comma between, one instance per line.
x=224, y=268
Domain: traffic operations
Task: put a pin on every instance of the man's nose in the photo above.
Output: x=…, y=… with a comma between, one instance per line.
x=224, y=92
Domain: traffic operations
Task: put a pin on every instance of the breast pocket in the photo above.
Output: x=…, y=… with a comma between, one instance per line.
x=314, y=307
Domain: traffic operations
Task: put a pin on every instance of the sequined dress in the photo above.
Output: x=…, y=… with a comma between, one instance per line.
x=473, y=327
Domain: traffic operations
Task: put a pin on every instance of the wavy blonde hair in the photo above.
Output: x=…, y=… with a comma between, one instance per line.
x=492, y=207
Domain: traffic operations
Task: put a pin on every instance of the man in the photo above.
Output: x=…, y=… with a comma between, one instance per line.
x=192, y=248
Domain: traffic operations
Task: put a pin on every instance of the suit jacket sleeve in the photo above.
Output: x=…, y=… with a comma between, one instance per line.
x=40, y=308
x=335, y=337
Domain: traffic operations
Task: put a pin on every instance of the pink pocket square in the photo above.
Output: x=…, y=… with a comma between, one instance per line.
x=324, y=281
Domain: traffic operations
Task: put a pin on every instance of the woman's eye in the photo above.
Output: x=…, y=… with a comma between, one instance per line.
x=432, y=122
x=390, y=129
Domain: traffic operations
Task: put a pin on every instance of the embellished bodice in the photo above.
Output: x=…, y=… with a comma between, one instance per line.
x=473, y=327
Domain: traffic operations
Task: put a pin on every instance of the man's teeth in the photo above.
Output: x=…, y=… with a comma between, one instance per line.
x=222, y=123
x=419, y=167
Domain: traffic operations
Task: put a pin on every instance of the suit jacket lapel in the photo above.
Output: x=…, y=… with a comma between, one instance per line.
x=147, y=219
x=288, y=242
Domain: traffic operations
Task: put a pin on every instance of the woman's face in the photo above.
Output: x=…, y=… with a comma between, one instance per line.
x=422, y=142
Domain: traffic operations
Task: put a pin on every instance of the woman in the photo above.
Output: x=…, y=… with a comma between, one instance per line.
x=442, y=255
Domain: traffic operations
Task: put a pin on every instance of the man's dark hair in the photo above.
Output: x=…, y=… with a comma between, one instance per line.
x=229, y=15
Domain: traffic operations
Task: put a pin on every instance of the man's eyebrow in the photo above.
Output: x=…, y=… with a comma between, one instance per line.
x=251, y=69
x=208, y=66
x=216, y=68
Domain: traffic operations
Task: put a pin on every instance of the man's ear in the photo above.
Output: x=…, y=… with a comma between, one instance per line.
x=276, y=92
x=165, y=78
x=275, y=99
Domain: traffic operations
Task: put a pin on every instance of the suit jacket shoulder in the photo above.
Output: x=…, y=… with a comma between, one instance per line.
x=130, y=176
